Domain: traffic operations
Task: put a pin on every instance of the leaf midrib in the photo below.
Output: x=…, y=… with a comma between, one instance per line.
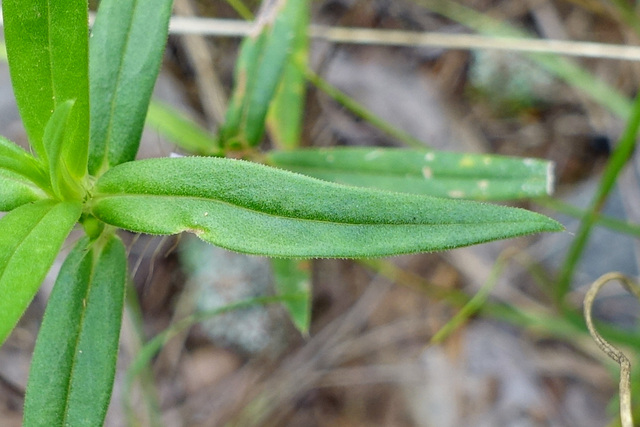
x=50, y=49
x=205, y=199
x=115, y=97
x=412, y=174
x=74, y=358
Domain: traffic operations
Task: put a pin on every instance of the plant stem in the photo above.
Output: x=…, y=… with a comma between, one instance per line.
x=357, y=109
x=609, y=222
x=618, y=160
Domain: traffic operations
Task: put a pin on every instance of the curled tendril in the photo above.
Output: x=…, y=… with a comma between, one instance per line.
x=626, y=417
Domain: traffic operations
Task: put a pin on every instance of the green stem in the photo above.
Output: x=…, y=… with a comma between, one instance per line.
x=618, y=160
x=609, y=222
x=241, y=9
x=568, y=326
x=147, y=384
x=473, y=305
x=359, y=110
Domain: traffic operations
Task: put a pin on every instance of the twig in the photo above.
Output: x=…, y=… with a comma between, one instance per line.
x=626, y=416
x=238, y=28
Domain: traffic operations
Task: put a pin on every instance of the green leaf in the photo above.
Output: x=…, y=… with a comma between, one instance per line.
x=47, y=47
x=31, y=238
x=17, y=190
x=293, y=280
x=181, y=130
x=22, y=178
x=74, y=361
x=126, y=48
x=433, y=173
x=260, y=210
x=56, y=140
x=15, y=159
x=286, y=111
x=259, y=69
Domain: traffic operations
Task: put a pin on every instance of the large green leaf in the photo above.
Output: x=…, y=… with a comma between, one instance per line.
x=256, y=209
x=74, y=360
x=433, y=173
x=259, y=70
x=31, y=238
x=127, y=43
x=47, y=47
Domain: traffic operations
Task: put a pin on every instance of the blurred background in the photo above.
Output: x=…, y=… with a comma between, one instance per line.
x=381, y=349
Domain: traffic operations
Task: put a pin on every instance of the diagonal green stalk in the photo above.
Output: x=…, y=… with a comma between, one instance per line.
x=618, y=160
x=627, y=14
x=568, y=326
x=474, y=304
x=241, y=9
x=359, y=110
x=614, y=224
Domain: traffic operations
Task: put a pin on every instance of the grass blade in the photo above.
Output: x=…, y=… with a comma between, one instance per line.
x=56, y=139
x=286, y=111
x=15, y=159
x=293, y=281
x=74, y=360
x=47, y=48
x=433, y=173
x=181, y=130
x=31, y=238
x=259, y=69
x=127, y=44
x=619, y=158
x=260, y=210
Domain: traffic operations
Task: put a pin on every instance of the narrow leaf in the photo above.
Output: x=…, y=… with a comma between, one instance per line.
x=181, y=130
x=256, y=209
x=74, y=361
x=56, y=137
x=286, y=111
x=47, y=47
x=433, y=173
x=293, y=280
x=17, y=190
x=31, y=238
x=259, y=69
x=127, y=43
x=15, y=159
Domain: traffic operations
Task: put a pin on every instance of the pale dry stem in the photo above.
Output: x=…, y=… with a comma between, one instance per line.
x=626, y=416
